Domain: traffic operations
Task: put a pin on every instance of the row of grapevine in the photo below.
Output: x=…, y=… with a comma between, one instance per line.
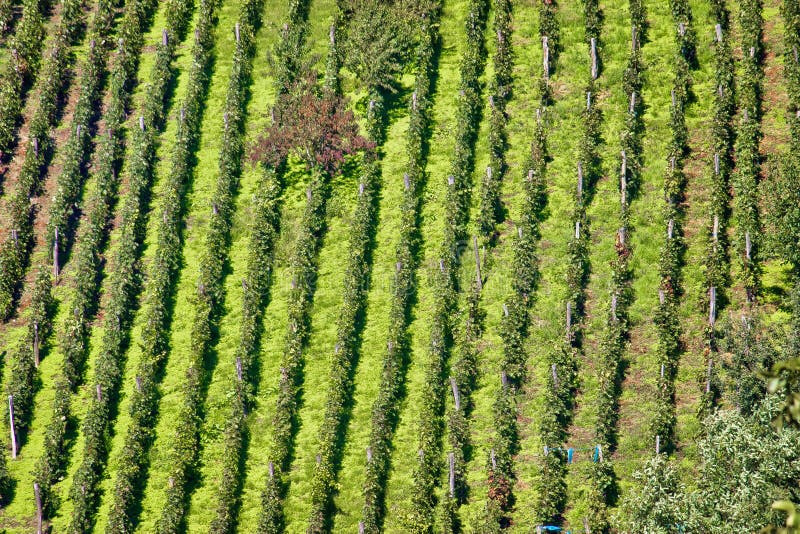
x=304, y=274
x=356, y=284
x=16, y=249
x=385, y=408
x=562, y=381
x=125, y=278
x=515, y=326
x=748, y=158
x=264, y=233
x=667, y=316
x=185, y=446
x=74, y=333
x=717, y=272
x=615, y=336
x=427, y=476
x=160, y=285
x=21, y=72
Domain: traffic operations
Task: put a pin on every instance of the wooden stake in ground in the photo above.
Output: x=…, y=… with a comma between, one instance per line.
x=11, y=426
x=478, y=278
x=38, y=496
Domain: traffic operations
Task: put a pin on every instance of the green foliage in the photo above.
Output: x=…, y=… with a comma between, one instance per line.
x=457, y=201
x=745, y=464
x=125, y=279
x=357, y=277
x=185, y=445
x=15, y=251
x=377, y=42
x=160, y=286
x=73, y=338
x=656, y=506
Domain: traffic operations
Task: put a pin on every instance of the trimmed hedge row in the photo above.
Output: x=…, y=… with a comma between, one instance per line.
x=160, y=286
x=74, y=333
x=748, y=159
x=210, y=295
x=615, y=337
x=125, y=279
x=385, y=408
x=22, y=70
x=667, y=316
x=331, y=435
x=15, y=251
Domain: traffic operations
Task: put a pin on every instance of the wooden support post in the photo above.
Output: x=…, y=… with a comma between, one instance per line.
x=478, y=278
x=37, y=495
x=588, y=100
x=141, y=122
x=441, y=265
x=682, y=29
x=36, y=344
x=632, y=107
x=55, y=256
x=138, y=381
x=593, y=48
x=503, y=379
x=716, y=163
x=555, y=376
x=586, y=527
x=456, y=394
x=718, y=30
x=164, y=37
x=271, y=469
x=670, y=228
x=451, y=180
x=361, y=189
x=577, y=229
x=360, y=527
x=661, y=296
x=11, y=426
x=658, y=444
x=672, y=94
x=752, y=51
x=747, y=244
x=414, y=101
x=505, y=310
x=493, y=459
x=712, y=306
x=580, y=182
x=545, y=58
x=662, y=370
x=623, y=180
x=406, y=181
x=452, y=461
x=622, y=235
x=99, y=389
x=369, y=455
x=708, y=375
x=239, y=369
x=237, y=29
